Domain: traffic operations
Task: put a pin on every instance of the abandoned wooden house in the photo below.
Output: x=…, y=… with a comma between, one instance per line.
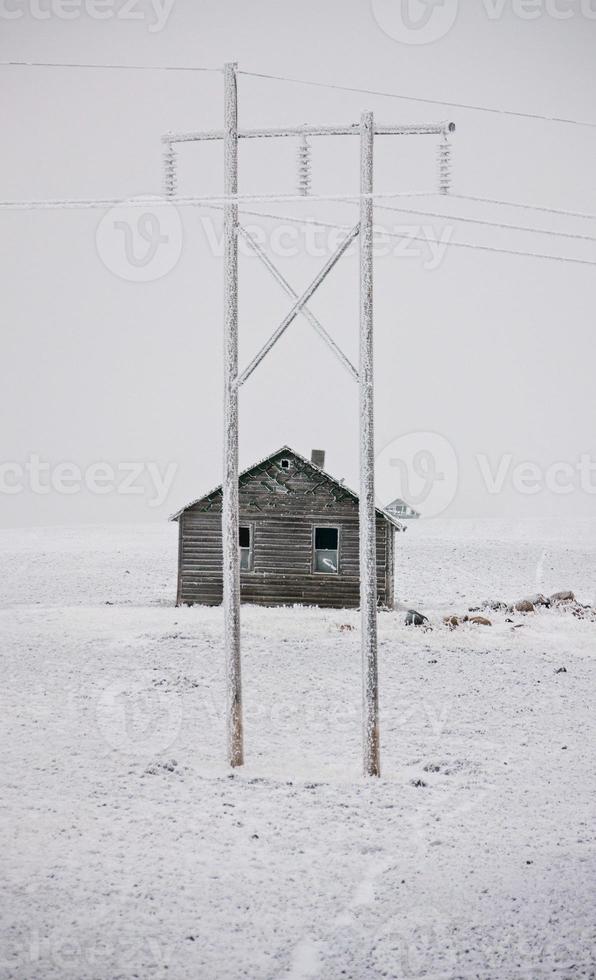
x=298, y=536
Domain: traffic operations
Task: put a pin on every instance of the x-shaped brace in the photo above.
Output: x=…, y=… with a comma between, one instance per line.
x=300, y=304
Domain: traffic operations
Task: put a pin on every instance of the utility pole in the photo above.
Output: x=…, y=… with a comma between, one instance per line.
x=368, y=516
x=230, y=508
x=367, y=129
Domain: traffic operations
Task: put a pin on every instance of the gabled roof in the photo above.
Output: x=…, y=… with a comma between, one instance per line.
x=399, y=502
x=286, y=450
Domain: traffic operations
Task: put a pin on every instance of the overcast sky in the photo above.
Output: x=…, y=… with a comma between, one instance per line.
x=484, y=362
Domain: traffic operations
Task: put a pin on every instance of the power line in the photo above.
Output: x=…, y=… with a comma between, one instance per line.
x=53, y=64
x=143, y=202
x=214, y=202
x=490, y=224
x=419, y=99
x=182, y=201
x=412, y=238
x=493, y=248
x=305, y=81
x=527, y=207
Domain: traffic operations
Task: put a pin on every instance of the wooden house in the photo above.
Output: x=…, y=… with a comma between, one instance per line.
x=402, y=511
x=298, y=535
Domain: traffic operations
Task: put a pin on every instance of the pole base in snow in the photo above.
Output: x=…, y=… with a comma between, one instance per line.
x=372, y=755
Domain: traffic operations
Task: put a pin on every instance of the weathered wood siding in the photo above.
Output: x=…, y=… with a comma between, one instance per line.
x=282, y=507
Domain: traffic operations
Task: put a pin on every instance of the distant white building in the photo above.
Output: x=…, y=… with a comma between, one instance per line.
x=402, y=511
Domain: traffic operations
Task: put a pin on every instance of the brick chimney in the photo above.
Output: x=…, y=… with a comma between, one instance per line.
x=317, y=458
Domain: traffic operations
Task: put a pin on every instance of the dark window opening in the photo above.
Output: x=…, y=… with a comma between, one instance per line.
x=327, y=550
x=326, y=538
x=245, y=542
x=285, y=464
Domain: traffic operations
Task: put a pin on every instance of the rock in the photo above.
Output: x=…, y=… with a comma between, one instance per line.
x=524, y=606
x=576, y=609
x=158, y=767
x=562, y=597
x=539, y=600
x=454, y=621
x=493, y=604
x=414, y=618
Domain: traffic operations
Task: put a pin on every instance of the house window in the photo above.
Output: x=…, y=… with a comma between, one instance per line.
x=285, y=464
x=245, y=542
x=326, y=548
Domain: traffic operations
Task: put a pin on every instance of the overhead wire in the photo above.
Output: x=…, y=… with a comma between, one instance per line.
x=524, y=206
x=452, y=104
x=111, y=67
x=491, y=224
x=421, y=100
x=414, y=238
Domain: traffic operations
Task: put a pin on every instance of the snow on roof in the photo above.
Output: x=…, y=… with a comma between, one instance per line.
x=287, y=449
x=398, y=502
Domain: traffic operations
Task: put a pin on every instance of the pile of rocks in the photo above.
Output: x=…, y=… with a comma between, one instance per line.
x=565, y=601
x=414, y=618
x=454, y=621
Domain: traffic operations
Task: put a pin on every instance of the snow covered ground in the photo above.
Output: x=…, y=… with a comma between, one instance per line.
x=129, y=850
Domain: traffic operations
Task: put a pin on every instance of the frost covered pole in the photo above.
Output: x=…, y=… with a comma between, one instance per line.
x=230, y=512
x=368, y=550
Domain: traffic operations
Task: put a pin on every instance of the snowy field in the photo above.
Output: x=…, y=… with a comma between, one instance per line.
x=129, y=850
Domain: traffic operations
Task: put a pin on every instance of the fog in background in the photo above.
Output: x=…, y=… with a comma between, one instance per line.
x=492, y=354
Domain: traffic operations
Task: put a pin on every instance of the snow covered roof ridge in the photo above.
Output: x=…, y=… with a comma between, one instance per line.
x=278, y=452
